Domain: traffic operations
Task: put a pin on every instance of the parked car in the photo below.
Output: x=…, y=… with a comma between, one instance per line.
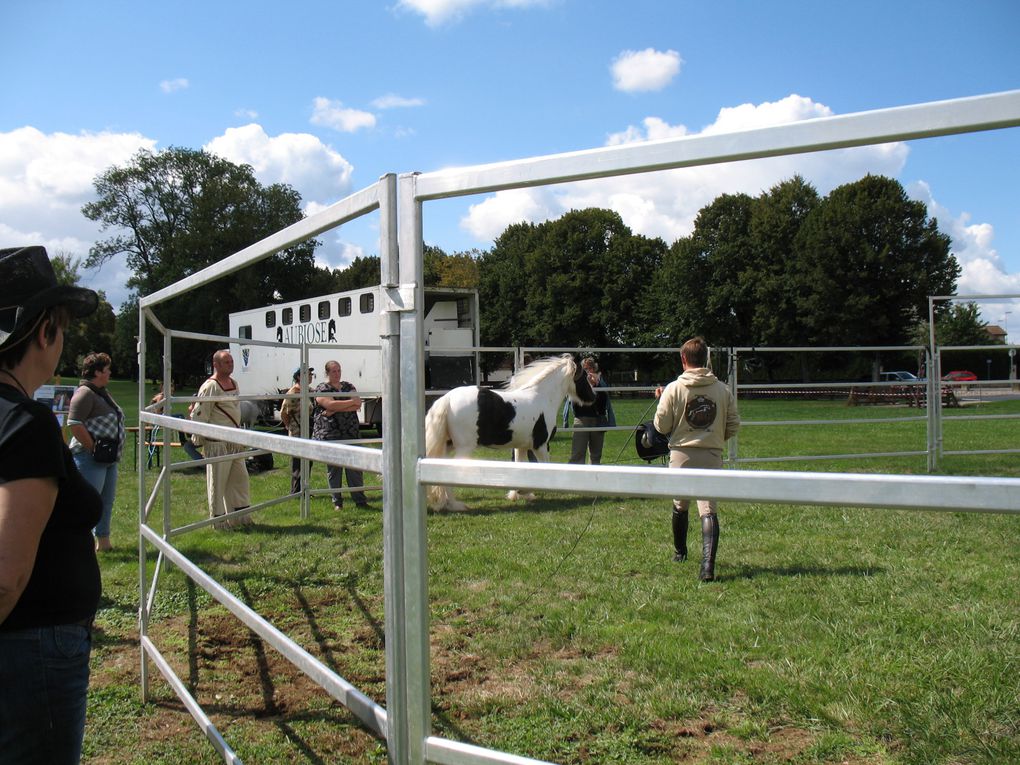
x=959, y=375
x=900, y=376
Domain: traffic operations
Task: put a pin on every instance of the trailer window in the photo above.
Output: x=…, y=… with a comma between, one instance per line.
x=288, y=316
x=305, y=313
x=343, y=307
x=270, y=319
x=324, y=309
x=368, y=302
x=244, y=332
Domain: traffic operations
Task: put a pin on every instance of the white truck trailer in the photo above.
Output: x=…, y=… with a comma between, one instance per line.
x=353, y=319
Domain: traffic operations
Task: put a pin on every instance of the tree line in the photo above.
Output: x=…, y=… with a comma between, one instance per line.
x=788, y=267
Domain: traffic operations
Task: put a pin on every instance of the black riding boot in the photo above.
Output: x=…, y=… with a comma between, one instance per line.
x=679, y=535
x=709, y=544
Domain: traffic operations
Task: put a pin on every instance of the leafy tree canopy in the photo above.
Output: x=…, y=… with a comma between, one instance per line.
x=174, y=212
x=960, y=324
x=578, y=280
x=363, y=271
x=457, y=270
x=94, y=333
x=867, y=258
x=787, y=268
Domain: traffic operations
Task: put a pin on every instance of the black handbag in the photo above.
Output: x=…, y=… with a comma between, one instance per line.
x=105, y=450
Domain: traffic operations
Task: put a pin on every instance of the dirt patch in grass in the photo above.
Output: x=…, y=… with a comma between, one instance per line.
x=253, y=695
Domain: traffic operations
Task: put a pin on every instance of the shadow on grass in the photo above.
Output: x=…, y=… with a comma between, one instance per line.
x=753, y=572
x=502, y=506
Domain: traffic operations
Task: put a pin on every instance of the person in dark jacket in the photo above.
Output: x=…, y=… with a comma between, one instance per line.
x=49, y=575
x=597, y=415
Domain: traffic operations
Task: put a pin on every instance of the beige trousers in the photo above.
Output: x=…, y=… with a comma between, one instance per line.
x=227, y=481
x=698, y=458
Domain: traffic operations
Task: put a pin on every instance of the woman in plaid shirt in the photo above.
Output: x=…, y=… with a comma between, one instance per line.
x=93, y=415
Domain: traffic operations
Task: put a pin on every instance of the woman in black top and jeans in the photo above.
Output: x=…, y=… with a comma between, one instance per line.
x=49, y=576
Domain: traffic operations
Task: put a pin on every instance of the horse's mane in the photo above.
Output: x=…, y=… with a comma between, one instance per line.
x=535, y=372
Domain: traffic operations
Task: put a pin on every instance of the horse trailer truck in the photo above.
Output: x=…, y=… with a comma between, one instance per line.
x=353, y=319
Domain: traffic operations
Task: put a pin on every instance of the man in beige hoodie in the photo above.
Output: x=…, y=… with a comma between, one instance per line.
x=699, y=414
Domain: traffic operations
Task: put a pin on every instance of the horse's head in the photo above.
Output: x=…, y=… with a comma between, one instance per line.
x=580, y=390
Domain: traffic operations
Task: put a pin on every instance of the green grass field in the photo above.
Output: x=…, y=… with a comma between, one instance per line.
x=562, y=630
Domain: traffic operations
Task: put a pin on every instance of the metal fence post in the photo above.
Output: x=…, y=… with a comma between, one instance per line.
x=143, y=617
x=412, y=415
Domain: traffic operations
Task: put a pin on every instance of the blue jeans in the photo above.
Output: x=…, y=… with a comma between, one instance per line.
x=102, y=476
x=44, y=674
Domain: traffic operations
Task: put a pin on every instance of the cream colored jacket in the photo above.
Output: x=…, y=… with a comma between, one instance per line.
x=227, y=413
x=696, y=410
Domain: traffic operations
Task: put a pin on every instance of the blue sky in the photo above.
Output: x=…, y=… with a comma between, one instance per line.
x=328, y=96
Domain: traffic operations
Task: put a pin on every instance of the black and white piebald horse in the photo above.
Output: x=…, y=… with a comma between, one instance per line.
x=522, y=416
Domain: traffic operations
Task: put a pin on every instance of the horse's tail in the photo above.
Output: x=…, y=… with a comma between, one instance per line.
x=436, y=435
x=436, y=431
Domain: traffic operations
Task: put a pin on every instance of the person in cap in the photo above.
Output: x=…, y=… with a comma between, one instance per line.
x=49, y=575
x=290, y=416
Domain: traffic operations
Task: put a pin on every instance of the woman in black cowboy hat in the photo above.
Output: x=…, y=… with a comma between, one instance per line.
x=49, y=576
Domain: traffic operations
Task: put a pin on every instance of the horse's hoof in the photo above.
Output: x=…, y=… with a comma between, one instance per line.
x=513, y=496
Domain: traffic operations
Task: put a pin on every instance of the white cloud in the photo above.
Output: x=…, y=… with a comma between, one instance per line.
x=393, y=101
x=44, y=181
x=666, y=203
x=438, y=12
x=172, y=86
x=334, y=251
x=793, y=108
x=487, y=219
x=654, y=129
x=246, y=114
x=648, y=69
x=333, y=114
x=315, y=169
x=981, y=268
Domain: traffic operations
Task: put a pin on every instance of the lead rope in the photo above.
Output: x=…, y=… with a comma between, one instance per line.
x=587, y=525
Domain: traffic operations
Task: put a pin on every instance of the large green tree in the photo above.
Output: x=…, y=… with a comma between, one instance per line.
x=93, y=333
x=457, y=270
x=960, y=324
x=704, y=287
x=576, y=281
x=363, y=271
x=867, y=258
x=776, y=219
x=789, y=269
x=502, y=287
x=729, y=280
x=174, y=212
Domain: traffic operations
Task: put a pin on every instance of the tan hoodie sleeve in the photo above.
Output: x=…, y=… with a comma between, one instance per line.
x=666, y=411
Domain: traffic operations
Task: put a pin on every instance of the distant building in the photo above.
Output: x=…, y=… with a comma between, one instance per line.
x=996, y=333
